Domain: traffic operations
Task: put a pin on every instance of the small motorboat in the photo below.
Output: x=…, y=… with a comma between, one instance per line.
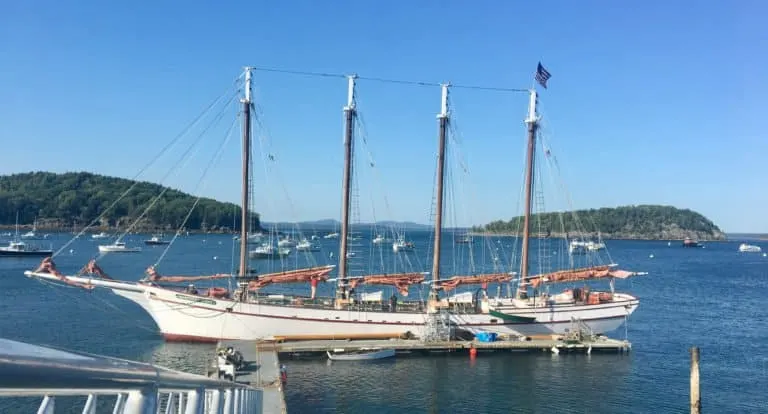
x=21, y=249
x=360, y=355
x=118, y=247
x=749, y=248
x=156, y=241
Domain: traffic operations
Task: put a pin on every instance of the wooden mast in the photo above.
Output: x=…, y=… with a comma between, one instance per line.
x=349, y=118
x=244, y=213
x=532, y=122
x=443, y=118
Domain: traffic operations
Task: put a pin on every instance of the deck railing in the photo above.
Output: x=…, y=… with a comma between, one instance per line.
x=128, y=387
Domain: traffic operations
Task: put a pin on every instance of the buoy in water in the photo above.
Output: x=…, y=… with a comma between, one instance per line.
x=215, y=257
x=472, y=352
x=651, y=256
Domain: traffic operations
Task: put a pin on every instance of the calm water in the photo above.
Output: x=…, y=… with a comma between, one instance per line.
x=712, y=297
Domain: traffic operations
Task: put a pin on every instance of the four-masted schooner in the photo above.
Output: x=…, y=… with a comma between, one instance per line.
x=217, y=313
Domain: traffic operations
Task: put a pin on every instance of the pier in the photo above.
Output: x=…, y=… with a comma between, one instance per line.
x=261, y=371
x=411, y=347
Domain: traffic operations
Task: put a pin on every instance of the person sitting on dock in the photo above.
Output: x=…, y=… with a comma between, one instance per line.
x=235, y=357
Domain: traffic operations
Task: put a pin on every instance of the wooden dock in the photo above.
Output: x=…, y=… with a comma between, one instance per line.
x=262, y=371
x=406, y=347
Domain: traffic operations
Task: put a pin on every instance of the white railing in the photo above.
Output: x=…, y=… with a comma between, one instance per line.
x=118, y=386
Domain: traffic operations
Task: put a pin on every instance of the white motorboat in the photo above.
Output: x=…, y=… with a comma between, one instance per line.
x=402, y=246
x=307, y=246
x=118, y=247
x=268, y=251
x=749, y=248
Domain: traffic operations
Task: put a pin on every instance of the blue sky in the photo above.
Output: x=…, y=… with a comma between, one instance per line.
x=654, y=102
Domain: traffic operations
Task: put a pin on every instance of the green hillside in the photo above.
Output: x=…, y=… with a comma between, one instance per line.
x=627, y=222
x=60, y=201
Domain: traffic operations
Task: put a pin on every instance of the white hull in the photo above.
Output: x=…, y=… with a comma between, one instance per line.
x=116, y=249
x=367, y=356
x=185, y=317
x=748, y=248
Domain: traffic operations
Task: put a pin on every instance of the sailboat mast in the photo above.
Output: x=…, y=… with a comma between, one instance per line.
x=443, y=118
x=349, y=118
x=532, y=122
x=244, y=216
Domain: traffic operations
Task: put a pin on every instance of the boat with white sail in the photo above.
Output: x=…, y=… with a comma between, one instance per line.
x=247, y=313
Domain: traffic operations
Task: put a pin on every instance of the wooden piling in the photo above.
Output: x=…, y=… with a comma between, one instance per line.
x=695, y=395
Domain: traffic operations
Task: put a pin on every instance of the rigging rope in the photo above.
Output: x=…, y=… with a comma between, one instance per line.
x=199, y=188
x=183, y=160
x=386, y=80
x=152, y=161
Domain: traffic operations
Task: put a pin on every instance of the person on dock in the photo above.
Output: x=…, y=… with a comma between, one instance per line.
x=393, y=303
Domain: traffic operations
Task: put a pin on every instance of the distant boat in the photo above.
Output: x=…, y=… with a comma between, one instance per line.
x=21, y=249
x=379, y=239
x=749, y=248
x=156, y=241
x=402, y=246
x=306, y=246
x=101, y=235
x=361, y=355
x=118, y=247
x=267, y=251
x=331, y=236
x=465, y=239
x=688, y=242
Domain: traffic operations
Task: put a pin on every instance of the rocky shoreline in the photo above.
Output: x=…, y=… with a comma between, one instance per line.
x=699, y=236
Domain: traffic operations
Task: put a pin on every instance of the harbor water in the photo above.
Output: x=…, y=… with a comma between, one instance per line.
x=712, y=297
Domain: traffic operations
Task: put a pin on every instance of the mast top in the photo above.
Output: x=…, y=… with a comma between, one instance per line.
x=532, y=115
x=247, y=98
x=351, y=93
x=444, y=102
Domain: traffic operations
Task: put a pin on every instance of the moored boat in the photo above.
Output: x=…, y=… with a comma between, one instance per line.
x=118, y=247
x=749, y=248
x=249, y=313
x=360, y=355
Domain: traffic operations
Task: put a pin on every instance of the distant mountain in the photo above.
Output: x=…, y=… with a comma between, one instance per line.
x=650, y=222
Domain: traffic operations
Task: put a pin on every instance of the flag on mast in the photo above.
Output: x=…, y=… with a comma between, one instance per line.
x=542, y=76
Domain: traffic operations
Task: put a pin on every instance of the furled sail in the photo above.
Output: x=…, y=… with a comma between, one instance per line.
x=48, y=266
x=401, y=281
x=456, y=281
x=575, y=275
x=312, y=275
x=154, y=276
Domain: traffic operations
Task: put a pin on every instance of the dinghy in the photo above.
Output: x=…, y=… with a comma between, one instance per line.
x=361, y=355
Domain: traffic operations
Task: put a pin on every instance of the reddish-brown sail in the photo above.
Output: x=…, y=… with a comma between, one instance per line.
x=575, y=275
x=401, y=281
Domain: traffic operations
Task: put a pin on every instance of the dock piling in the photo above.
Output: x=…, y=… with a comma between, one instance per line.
x=695, y=395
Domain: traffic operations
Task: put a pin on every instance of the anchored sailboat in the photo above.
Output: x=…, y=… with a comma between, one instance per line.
x=217, y=313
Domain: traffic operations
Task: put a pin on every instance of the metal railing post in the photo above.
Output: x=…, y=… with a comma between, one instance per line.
x=229, y=406
x=47, y=405
x=195, y=401
x=216, y=402
x=141, y=401
x=90, y=405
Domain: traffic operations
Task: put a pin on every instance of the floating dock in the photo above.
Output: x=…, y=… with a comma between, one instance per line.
x=406, y=347
x=262, y=371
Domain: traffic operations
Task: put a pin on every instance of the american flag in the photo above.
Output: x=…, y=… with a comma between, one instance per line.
x=542, y=76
